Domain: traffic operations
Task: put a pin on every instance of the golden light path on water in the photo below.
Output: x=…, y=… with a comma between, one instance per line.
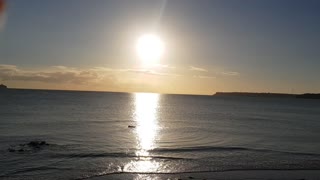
x=146, y=117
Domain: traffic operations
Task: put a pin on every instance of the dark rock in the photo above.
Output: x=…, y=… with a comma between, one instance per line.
x=43, y=143
x=31, y=146
x=33, y=143
x=130, y=126
x=37, y=144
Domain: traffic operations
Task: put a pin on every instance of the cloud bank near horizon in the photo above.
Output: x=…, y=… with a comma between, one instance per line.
x=159, y=78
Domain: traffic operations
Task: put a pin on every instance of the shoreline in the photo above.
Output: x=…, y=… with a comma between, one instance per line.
x=221, y=175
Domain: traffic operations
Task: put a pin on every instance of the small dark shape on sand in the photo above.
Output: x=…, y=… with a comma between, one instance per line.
x=130, y=126
x=31, y=146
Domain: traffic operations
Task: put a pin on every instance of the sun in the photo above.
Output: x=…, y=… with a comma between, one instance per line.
x=149, y=48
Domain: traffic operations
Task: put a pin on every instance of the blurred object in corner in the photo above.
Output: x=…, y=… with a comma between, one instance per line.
x=2, y=13
x=2, y=6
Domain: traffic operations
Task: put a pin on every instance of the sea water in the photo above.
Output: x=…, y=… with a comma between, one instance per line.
x=93, y=134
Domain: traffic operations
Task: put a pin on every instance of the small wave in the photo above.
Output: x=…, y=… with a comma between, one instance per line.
x=90, y=155
x=42, y=168
x=188, y=172
x=199, y=148
x=112, y=155
x=221, y=148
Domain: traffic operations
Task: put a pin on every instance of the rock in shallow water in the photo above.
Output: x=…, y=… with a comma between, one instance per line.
x=37, y=144
x=31, y=146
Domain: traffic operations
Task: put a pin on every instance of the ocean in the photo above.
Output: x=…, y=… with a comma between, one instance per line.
x=98, y=134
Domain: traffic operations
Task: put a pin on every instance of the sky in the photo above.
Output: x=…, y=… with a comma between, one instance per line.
x=210, y=45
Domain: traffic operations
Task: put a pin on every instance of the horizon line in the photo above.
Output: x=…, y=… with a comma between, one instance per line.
x=127, y=92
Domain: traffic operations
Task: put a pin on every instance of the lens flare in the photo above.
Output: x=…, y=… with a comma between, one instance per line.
x=2, y=6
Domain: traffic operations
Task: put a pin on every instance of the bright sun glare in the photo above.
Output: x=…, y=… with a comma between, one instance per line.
x=150, y=48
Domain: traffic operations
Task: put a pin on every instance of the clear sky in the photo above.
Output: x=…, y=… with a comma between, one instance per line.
x=210, y=45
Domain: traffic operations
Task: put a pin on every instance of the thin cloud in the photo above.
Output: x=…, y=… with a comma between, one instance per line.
x=165, y=66
x=230, y=73
x=7, y=67
x=103, y=69
x=150, y=72
x=60, y=75
x=204, y=77
x=63, y=74
x=193, y=68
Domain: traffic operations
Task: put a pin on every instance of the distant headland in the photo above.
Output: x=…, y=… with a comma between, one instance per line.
x=278, y=95
x=308, y=96
x=2, y=86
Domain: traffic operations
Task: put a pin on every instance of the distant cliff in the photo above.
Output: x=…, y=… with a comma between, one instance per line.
x=250, y=94
x=309, y=96
x=280, y=95
x=2, y=86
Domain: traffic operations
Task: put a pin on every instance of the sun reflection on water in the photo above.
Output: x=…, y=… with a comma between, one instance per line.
x=146, y=106
x=146, y=117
